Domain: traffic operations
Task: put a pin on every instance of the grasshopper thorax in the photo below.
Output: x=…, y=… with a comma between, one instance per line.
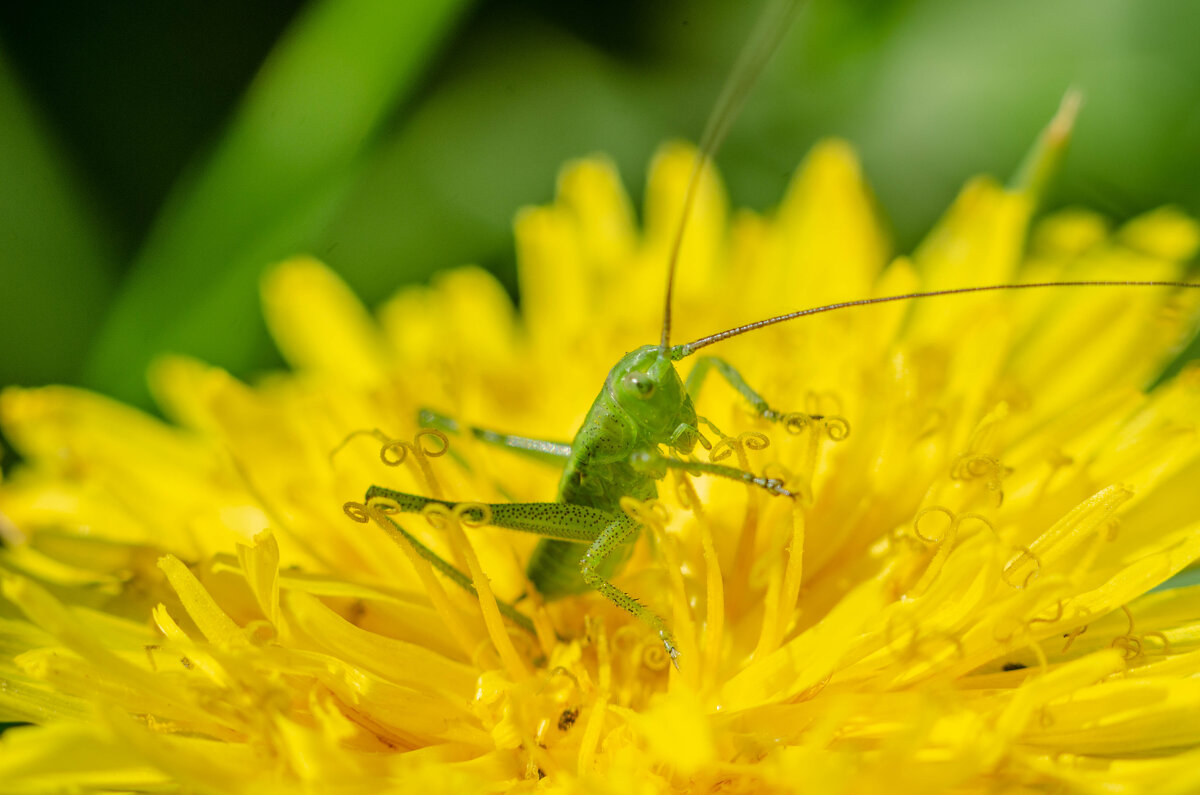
x=646, y=386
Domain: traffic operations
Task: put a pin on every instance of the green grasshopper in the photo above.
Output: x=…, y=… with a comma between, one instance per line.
x=643, y=409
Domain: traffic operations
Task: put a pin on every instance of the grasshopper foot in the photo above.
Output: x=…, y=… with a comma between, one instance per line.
x=778, y=487
x=795, y=422
x=672, y=651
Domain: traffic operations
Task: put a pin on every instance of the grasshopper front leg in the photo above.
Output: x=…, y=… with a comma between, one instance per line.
x=705, y=364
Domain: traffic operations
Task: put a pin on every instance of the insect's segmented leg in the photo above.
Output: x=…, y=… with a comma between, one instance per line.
x=452, y=573
x=558, y=520
x=687, y=436
x=654, y=463
x=540, y=449
x=604, y=534
x=701, y=369
x=618, y=533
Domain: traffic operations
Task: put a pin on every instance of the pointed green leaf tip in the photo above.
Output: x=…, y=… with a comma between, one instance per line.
x=1042, y=162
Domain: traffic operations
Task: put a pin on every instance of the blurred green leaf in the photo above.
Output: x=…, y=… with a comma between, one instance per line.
x=56, y=268
x=280, y=170
x=935, y=91
x=931, y=92
x=445, y=186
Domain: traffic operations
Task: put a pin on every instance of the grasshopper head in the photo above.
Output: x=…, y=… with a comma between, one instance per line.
x=647, y=387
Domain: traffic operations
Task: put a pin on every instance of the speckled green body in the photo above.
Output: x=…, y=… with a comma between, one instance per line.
x=599, y=472
x=640, y=426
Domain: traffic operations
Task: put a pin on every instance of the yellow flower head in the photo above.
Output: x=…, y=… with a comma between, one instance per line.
x=961, y=597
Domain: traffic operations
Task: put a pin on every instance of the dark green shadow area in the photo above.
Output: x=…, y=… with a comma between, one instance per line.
x=57, y=270
x=279, y=171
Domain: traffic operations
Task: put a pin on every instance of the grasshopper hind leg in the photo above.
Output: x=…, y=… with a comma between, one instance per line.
x=603, y=540
x=450, y=571
x=705, y=364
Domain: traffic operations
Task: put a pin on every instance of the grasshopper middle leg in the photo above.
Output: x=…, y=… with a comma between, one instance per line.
x=539, y=449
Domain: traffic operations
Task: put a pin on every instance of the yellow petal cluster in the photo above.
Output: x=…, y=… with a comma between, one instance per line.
x=965, y=597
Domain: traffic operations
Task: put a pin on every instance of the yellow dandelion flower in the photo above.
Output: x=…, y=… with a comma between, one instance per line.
x=962, y=596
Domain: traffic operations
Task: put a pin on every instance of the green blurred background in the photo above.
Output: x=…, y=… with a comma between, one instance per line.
x=154, y=157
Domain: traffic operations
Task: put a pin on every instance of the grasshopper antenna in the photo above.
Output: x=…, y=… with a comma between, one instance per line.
x=687, y=349
x=767, y=34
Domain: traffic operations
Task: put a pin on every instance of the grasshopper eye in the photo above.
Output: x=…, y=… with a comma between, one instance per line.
x=640, y=384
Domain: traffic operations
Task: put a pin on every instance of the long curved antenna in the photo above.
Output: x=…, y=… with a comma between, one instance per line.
x=687, y=349
x=767, y=34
